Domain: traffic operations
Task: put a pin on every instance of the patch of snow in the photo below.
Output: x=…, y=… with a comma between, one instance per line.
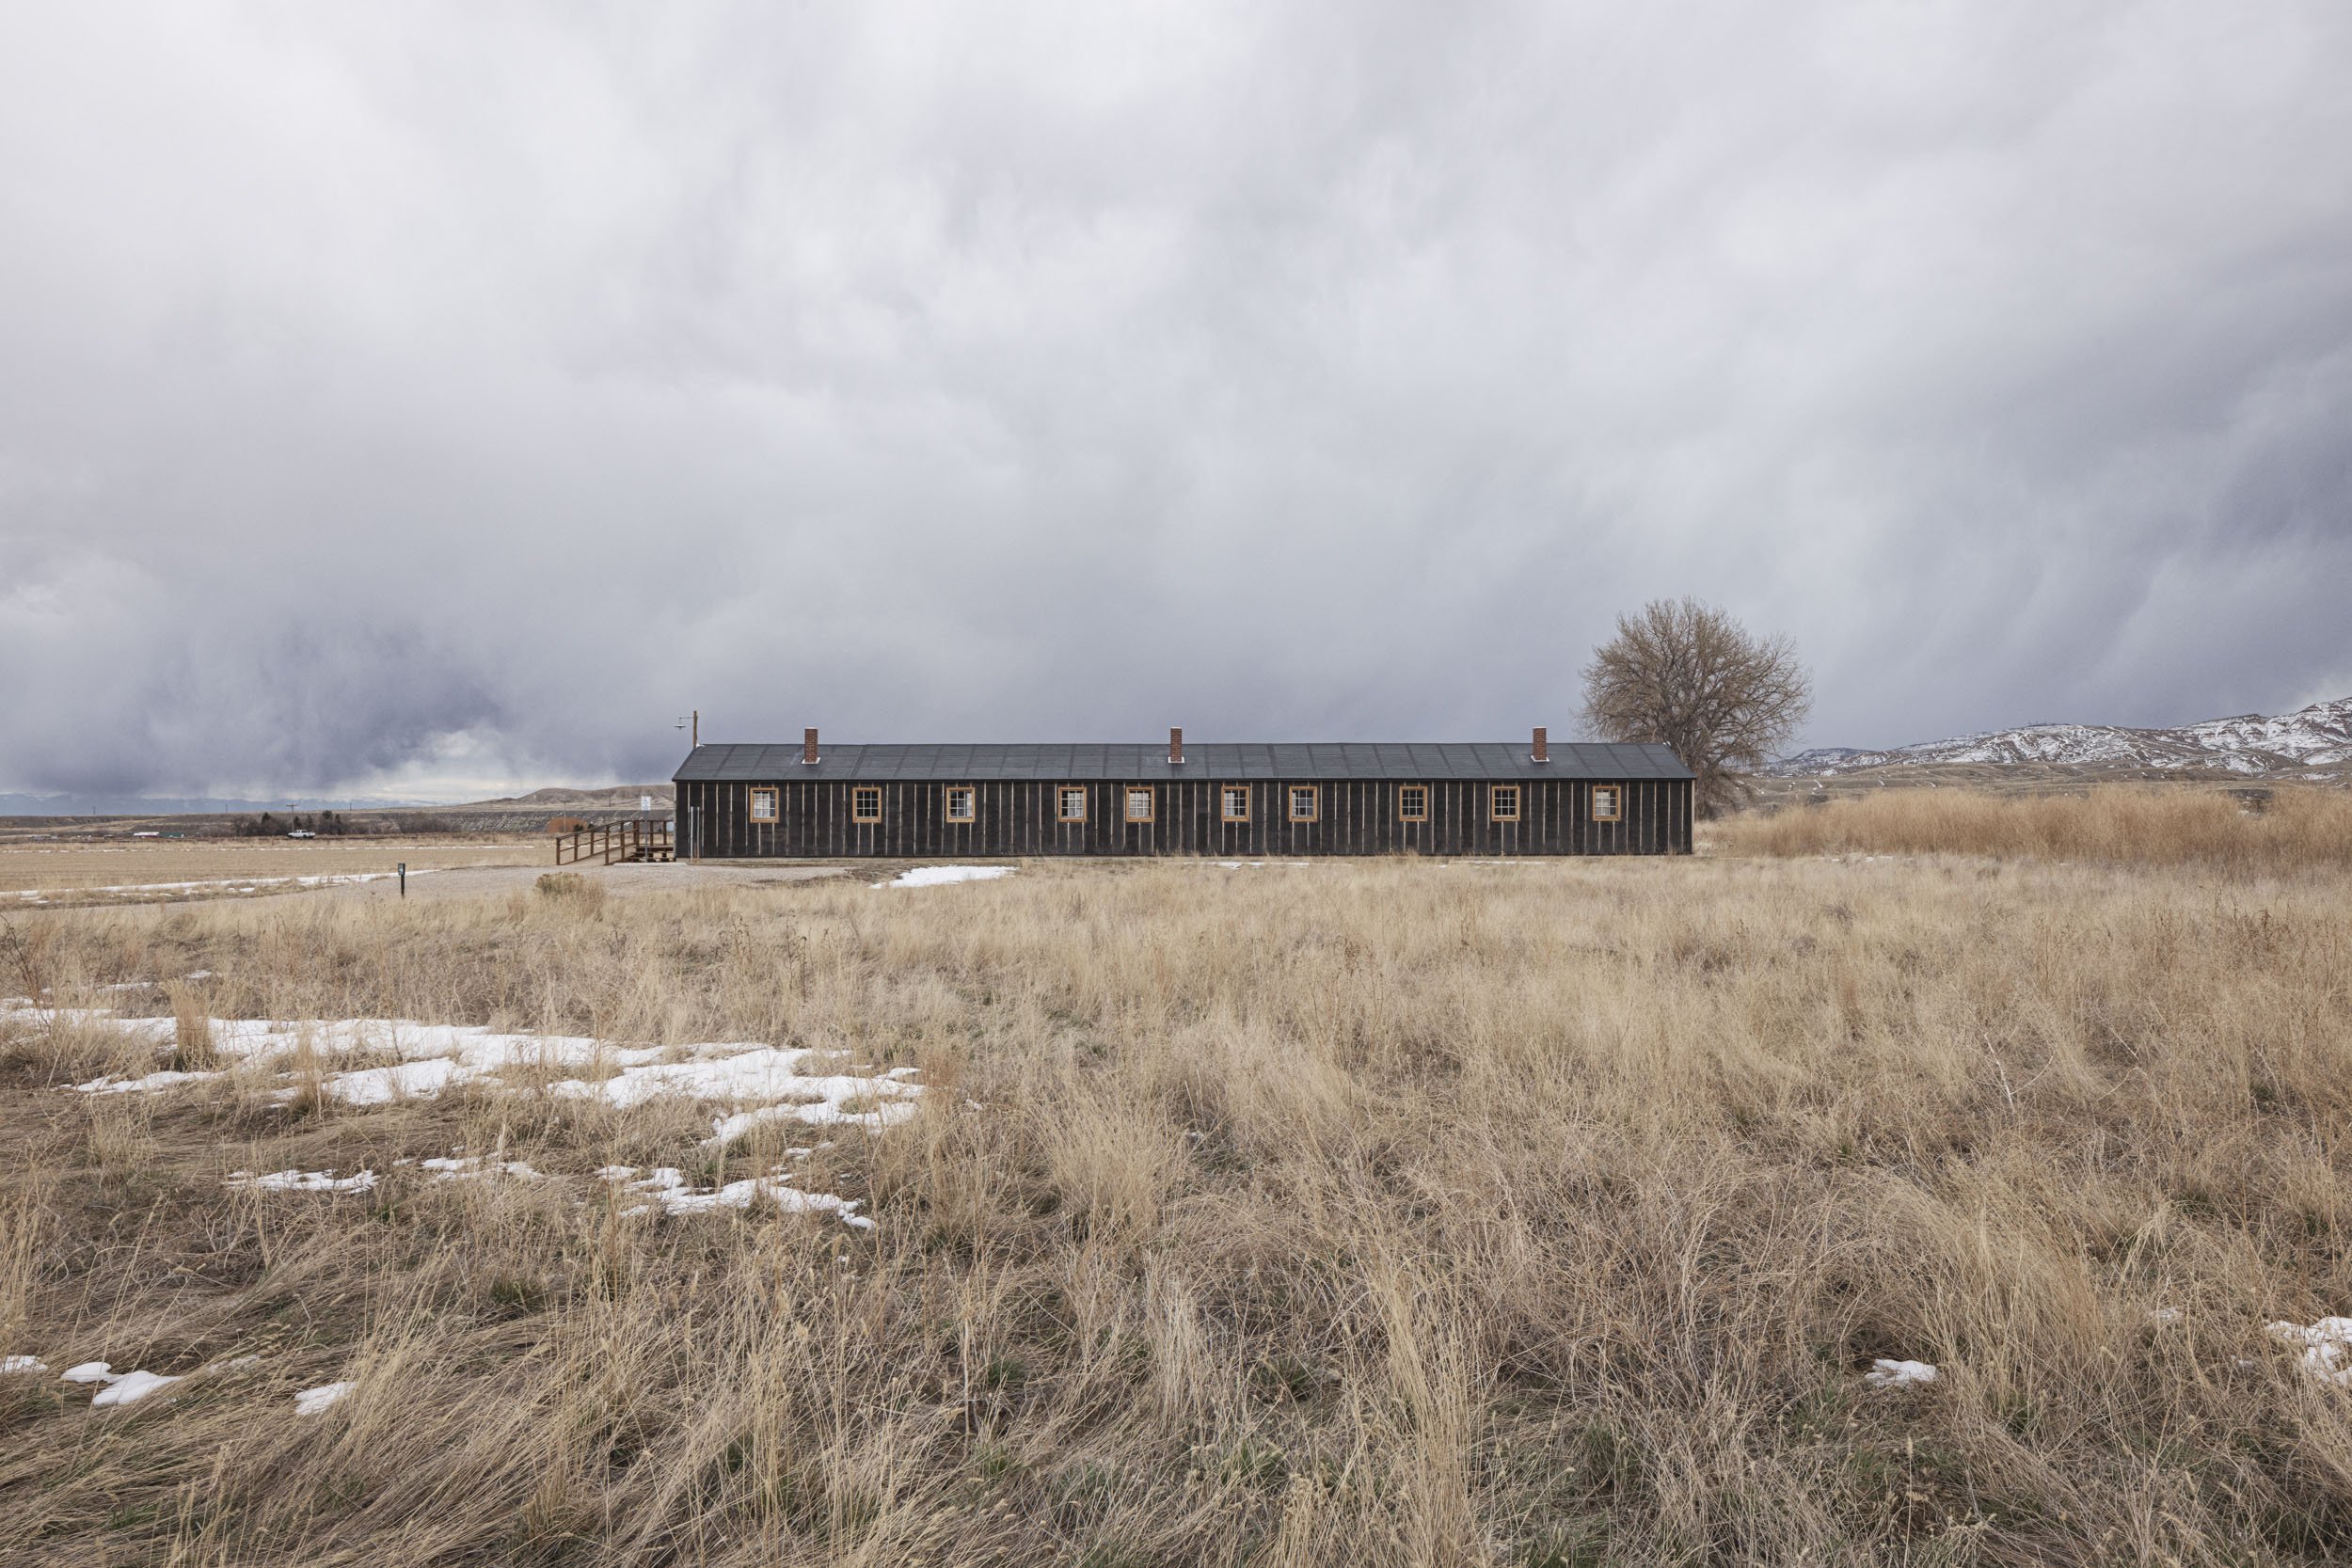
x=130, y=1387
x=668, y=1188
x=767, y=1083
x=163, y=1080
x=313, y=1401
x=615, y=1173
x=89, y=1371
x=936, y=875
x=224, y=885
x=1898, y=1374
x=304, y=1181
x=2326, y=1347
x=22, y=1364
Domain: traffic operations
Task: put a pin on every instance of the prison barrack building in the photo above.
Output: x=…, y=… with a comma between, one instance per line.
x=1471, y=798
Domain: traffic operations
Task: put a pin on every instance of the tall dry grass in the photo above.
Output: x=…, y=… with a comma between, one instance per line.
x=2295, y=829
x=1373, y=1213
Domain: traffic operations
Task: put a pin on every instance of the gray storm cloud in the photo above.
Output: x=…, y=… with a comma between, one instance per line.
x=447, y=394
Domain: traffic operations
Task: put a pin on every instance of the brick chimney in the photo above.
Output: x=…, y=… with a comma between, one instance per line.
x=808, y=747
x=1175, y=744
x=1542, y=752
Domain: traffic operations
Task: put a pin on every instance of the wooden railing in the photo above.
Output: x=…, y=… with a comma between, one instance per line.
x=639, y=839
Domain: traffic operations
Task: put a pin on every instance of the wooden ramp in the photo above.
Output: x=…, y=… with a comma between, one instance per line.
x=638, y=840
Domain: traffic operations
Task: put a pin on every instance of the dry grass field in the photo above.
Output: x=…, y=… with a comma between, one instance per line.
x=1371, y=1212
x=2292, y=829
x=156, y=870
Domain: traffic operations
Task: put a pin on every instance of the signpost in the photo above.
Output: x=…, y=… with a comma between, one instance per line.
x=404, y=878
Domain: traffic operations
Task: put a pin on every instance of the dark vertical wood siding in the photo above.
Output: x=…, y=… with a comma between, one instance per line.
x=1356, y=816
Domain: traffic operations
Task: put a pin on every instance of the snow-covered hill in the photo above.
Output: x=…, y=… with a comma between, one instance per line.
x=2315, y=739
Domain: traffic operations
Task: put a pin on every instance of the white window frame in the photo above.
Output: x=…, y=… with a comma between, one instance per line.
x=774, y=799
x=1062, y=794
x=1151, y=804
x=970, y=796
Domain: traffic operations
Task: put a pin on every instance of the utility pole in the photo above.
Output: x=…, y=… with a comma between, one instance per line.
x=692, y=724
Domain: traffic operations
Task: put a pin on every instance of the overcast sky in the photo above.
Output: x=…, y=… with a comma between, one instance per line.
x=429, y=397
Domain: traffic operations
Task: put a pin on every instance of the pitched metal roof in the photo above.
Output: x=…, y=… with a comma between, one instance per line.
x=1410, y=762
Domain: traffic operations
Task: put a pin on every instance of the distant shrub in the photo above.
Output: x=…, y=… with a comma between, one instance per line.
x=570, y=889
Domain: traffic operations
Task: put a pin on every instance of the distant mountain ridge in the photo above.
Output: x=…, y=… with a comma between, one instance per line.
x=2310, y=742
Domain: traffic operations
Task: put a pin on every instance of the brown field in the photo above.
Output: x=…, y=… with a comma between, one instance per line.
x=2286, y=829
x=147, y=869
x=1364, y=1212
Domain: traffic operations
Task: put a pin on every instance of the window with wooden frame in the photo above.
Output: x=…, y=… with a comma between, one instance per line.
x=1608, y=802
x=1502, y=802
x=1306, y=802
x=1233, y=802
x=1139, y=800
x=1069, y=804
x=964, y=802
x=866, y=803
x=764, y=805
x=1412, y=802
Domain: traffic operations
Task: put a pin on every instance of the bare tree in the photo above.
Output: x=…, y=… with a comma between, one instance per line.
x=1686, y=675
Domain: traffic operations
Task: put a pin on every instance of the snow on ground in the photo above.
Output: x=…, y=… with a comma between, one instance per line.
x=313, y=1401
x=761, y=1082
x=2326, y=1347
x=304, y=1181
x=130, y=1387
x=768, y=1081
x=217, y=884
x=933, y=875
x=1898, y=1374
x=163, y=1080
x=22, y=1364
x=120, y=1388
x=667, y=1186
